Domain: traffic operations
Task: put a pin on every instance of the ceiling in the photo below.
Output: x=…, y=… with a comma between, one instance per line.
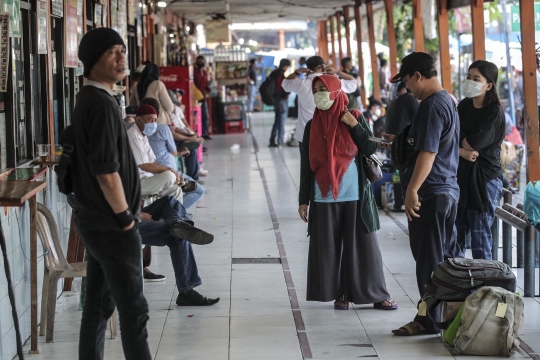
x=251, y=11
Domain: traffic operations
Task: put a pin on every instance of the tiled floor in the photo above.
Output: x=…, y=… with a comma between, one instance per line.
x=254, y=319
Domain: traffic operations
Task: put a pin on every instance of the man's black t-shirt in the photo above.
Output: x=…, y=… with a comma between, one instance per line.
x=101, y=147
x=484, y=130
x=400, y=113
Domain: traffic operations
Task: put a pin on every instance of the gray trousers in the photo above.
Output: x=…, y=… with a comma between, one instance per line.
x=344, y=259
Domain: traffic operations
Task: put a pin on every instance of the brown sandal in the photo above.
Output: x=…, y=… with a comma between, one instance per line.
x=411, y=329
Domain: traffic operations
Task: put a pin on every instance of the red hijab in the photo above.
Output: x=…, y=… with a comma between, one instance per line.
x=331, y=147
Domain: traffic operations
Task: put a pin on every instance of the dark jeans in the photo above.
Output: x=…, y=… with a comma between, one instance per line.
x=204, y=117
x=114, y=277
x=432, y=239
x=165, y=211
x=278, y=130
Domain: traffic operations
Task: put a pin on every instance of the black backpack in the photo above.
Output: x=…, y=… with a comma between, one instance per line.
x=269, y=93
x=65, y=165
x=455, y=279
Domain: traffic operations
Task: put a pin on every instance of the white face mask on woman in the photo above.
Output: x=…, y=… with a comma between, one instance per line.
x=322, y=99
x=472, y=88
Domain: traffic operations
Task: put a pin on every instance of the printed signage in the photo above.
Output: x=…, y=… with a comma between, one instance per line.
x=515, y=18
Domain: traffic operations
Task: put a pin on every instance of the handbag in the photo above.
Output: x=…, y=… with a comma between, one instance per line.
x=372, y=167
x=197, y=93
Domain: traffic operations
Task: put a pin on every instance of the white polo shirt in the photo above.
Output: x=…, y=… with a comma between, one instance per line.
x=142, y=152
x=306, y=105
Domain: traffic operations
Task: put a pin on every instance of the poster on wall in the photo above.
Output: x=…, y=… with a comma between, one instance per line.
x=3, y=146
x=132, y=12
x=97, y=15
x=4, y=50
x=72, y=36
x=80, y=25
x=42, y=27
x=57, y=8
x=13, y=8
x=114, y=15
x=104, y=15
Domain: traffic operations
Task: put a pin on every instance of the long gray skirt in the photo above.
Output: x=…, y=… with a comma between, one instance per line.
x=344, y=259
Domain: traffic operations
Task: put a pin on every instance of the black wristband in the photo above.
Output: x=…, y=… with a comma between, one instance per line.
x=125, y=218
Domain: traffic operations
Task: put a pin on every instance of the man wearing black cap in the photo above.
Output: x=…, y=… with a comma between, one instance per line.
x=107, y=189
x=429, y=182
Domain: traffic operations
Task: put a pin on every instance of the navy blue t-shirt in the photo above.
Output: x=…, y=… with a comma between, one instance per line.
x=435, y=121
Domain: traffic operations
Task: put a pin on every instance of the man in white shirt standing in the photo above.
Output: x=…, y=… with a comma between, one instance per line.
x=156, y=179
x=303, y=88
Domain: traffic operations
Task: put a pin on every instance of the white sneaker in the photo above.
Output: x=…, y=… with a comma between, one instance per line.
x=203, y=172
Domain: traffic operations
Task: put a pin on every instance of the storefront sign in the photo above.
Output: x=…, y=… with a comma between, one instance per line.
x=515, y=18
x=57, y=8
x=463, y=20
x=42, y=26
x=217, y=30
x=4, y=50
x=13, y=8
x=72, y=34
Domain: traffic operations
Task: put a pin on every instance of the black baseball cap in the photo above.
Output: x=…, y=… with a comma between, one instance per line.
x=416, y=61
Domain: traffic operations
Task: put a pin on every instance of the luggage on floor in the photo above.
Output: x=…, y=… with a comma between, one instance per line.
x=490, y=323
x=455, y=279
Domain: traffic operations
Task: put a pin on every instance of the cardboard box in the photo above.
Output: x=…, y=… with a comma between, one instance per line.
x=449, y=310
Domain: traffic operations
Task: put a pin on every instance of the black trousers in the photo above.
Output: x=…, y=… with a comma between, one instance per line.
x=114, y=278
x=433, y=239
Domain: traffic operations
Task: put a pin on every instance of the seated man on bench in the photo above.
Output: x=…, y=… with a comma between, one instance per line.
x=165, y=223
x=156, y=179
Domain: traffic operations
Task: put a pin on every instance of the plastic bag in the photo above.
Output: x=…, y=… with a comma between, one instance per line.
x=531, y=203
x=450, y=333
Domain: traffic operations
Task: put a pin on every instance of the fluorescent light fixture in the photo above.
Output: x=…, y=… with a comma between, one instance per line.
x=171, y=35
x=289, y=25
x=162, y=4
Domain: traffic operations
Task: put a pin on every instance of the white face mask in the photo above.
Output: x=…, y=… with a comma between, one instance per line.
x=472, y=88
x=322, y=100
x=377, y=113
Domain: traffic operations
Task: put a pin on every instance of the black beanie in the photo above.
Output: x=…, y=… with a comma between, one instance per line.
x=94, y=44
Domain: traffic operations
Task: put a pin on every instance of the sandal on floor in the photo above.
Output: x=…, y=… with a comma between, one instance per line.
x=381, y=306
x=341, y=304
x=411, y=329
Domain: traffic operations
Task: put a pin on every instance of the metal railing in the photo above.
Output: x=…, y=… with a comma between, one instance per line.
x=513, y=217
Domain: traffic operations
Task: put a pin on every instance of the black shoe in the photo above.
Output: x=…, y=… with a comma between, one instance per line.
x=189, y=186
x=273, y=145
x=204, y=149
x=151, y=277
x=193, y=298
x=183, y=230
x=207, y=137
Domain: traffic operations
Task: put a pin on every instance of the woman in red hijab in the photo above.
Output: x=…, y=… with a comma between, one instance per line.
x=344, y=262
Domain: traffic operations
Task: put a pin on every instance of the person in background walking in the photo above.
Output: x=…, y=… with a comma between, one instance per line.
x=107, y=189
x=304, y=89
x=346, y=65
x=200, y=79
x=483, y=128
x=282, y=106
x=252, y=78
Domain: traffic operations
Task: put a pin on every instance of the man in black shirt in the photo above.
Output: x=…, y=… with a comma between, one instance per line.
x=107, y=189
x=401, y=110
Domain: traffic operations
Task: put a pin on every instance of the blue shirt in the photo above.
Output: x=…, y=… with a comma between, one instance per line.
x=348, y=188
x=162, y=143
x=435, y=121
